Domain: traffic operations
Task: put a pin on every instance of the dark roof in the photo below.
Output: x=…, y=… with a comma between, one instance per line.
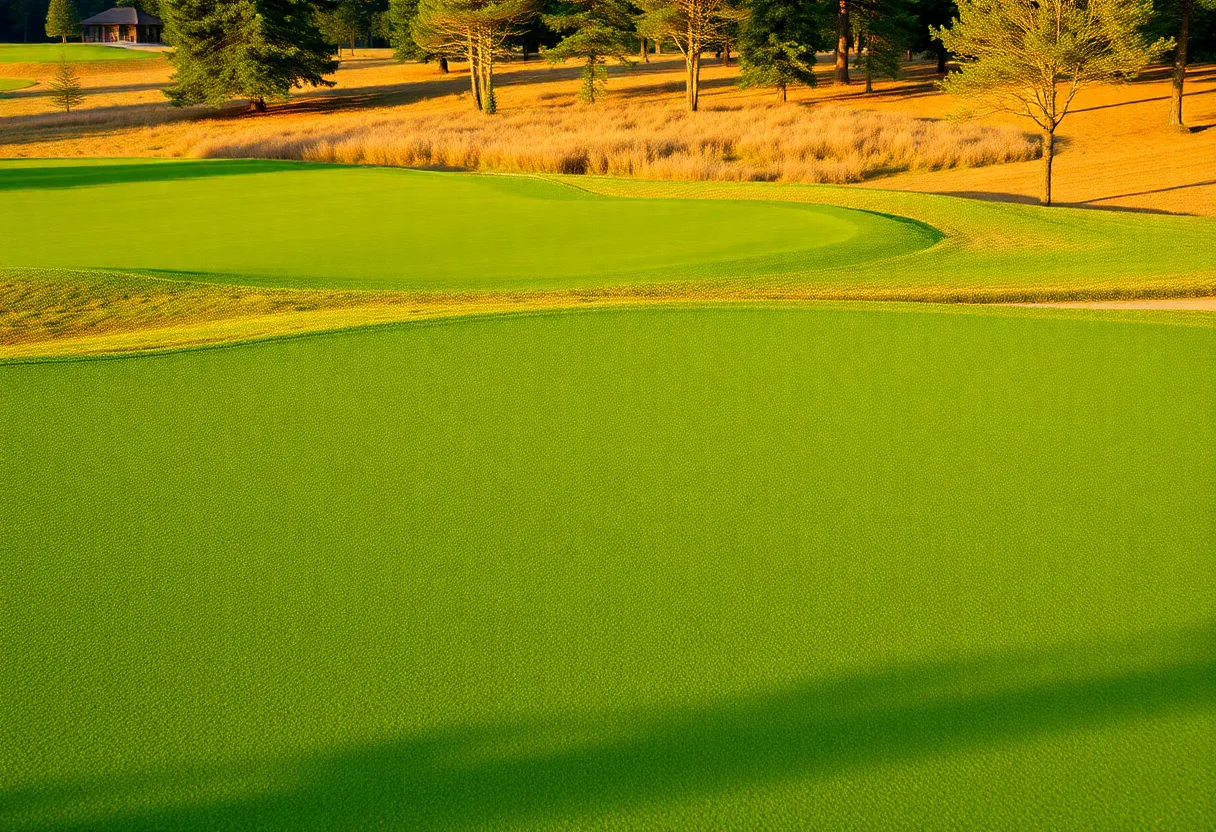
x=124, y=15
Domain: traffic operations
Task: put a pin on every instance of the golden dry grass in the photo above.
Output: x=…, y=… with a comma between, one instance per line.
x=1115, y=149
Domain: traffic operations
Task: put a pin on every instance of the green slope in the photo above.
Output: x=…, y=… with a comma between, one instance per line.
x=33, y=53
x=698, y=568
x=287, y=224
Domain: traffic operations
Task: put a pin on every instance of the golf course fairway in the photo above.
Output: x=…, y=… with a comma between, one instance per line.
x=688, y=568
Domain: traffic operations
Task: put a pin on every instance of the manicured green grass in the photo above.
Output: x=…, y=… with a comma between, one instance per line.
x=10, y=84
x=661, y=568
x=296, y=224
x=291, y=224
x=34, y=53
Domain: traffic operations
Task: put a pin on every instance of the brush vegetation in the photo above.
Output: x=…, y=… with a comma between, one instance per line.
x=768, y=143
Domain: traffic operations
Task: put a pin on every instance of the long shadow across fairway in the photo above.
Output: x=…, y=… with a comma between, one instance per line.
x=80, y=176
x=510, y=773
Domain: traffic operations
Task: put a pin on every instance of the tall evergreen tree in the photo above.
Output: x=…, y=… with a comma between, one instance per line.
x=349, y=21
x=597, y=30
x=777, y=43
x=254, y=49
x=62, y=20
x=929, y=15
x=882, y=31
x=1031, y=57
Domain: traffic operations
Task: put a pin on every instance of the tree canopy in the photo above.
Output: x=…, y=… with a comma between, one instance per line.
x=596, y=30
x=254, y=49
x=62, y=20
x=777, y=43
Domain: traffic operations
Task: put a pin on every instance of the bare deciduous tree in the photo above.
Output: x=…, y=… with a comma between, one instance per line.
x=1032, y=57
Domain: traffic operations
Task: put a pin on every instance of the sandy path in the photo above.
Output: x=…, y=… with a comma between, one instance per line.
x=1201, y=304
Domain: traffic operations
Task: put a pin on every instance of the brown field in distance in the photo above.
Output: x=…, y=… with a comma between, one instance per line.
x=1116, y=151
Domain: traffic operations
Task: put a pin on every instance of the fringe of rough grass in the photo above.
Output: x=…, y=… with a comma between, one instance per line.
x=65, y=312
x=761, y=143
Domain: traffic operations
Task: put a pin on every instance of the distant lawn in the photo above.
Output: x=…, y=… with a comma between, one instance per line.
x=10, y=84
x=33, y=53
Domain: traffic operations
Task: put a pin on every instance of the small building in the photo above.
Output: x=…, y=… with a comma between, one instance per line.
x=121, y=24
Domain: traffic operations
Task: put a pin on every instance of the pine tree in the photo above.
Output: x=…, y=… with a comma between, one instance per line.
x=62, y=20
x=346, y=21
x=66, y=91
x=398, y=23
x=882, y=31
x=1031, y=57
x=777, y=44
x=254, y=49
x=598, y=30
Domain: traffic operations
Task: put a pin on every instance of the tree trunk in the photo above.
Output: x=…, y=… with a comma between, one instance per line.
x=258, y=104
x=842, y=43
x=726, y=53
x=942, y=57
x=1049, y=154
x=693, y=83
x=443, y=65
x=474, y=74
x=781, y=93
x=65, y=40
x=643, y=50
x=1184, y=35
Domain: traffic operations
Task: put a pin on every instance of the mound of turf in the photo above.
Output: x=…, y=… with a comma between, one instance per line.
x=680, y=569
x=11, y=84
x=288, y=224
x=36, y=53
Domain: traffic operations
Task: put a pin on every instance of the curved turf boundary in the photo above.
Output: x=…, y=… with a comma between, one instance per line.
x=317, y=226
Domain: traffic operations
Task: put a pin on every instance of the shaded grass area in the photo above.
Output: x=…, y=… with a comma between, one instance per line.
x=664, y=568
x=29, y=53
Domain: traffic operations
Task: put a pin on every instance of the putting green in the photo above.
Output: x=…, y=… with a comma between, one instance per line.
x=37, y=53
x=657, y=569
x=286, y=224
x=11, y=84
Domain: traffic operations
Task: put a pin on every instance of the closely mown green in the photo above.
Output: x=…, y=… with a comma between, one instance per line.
x=10, y=84
x=293, y=224
x=769, y=567
x=35, y=53
x=305, y=225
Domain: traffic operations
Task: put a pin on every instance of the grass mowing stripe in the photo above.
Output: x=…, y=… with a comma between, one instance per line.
x=662, y=567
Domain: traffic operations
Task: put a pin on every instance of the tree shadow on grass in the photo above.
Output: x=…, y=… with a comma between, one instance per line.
x=566, y=770
x=80, y=176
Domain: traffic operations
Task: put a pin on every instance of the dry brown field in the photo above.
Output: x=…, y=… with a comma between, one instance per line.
x=1116, y=149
